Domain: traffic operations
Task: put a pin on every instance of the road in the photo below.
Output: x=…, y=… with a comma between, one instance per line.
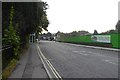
x=72, y=61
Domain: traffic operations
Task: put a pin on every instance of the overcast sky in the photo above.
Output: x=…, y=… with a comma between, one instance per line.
x=74, y=15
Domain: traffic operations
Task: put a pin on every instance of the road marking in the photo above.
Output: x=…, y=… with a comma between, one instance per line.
x=83, y=54
x=44, y=65
x=80, y=52
x=110, y=62
x=56, y=74
x=51, y=69
x=95, y=47
x=98, y=54
x=54, y=69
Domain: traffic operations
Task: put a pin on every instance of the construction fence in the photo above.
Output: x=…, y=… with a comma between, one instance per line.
x=107, y=40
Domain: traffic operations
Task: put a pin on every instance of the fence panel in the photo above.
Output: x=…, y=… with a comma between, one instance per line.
x=115, y=40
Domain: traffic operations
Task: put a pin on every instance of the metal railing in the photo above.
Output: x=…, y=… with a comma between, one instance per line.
x=7, y=55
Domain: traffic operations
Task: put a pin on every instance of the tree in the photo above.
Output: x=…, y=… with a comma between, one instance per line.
x=28, y=18
x=10, y=35
x=95, y=32
x=57, y=33
x=74, y=33
x=111, y=31
x=83, y=32
x=21, y=19
x=118, y=26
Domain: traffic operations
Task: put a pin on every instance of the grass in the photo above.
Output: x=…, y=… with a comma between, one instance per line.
x=0, y=66
x=8, y=70
x=11, y=66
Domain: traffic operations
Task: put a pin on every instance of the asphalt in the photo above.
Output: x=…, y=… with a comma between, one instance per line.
x=29, y=65
x=0, y=38
x=73, y=61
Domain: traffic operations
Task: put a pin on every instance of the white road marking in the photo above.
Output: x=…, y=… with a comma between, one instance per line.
x=83, y=51
x=110, y=62
x=56, y=74
x=91, y=52
x=80, y=52
x=83, y=54
x=98, y=54
x=44, y=64
x=95, y=47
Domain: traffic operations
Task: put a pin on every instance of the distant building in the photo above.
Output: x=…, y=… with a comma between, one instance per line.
x=46, y=36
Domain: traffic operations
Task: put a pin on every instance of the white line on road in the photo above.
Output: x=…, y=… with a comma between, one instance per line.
x=54, y=70
x=51, y=68
x=84, y=53
x=56, y=74
x=95, y=47
x=98, y=54
x=44, y=65
x=80, y=52
x=110, y=62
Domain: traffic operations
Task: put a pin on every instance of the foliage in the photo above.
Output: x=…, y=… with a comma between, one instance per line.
x=112, y=31
x=95, y=32
x=10, y=36
x=72, y=34
x=28, y=18
x=118, y=26
x=19, y=20
x=8, y=70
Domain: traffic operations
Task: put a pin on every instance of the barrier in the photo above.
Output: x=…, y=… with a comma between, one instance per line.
x=115, y=39
x=111, y=39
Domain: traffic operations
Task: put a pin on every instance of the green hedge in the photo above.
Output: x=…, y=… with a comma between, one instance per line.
x=115, y=40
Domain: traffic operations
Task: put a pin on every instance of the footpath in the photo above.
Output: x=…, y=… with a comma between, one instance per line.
x=29, y=65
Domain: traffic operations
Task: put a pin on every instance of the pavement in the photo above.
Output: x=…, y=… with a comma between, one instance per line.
x=29, y=65
x=72, y=61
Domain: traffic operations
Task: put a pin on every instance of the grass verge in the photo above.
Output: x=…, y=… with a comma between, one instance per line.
x=13, y=63
x=8, y=70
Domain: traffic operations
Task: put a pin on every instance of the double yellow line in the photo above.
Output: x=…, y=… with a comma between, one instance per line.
x=45, y=60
